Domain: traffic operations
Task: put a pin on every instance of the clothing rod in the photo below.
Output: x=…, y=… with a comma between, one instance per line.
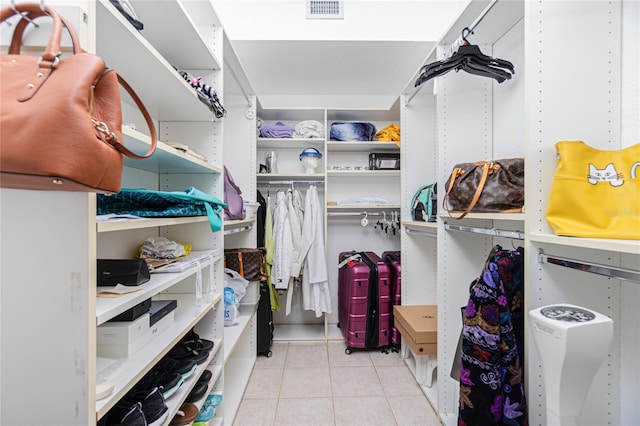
x=516, y=235
x=457, y=43
x=421, y=233
x=362, y=213
x=235, y=77
x=291, y=182
x=594, y=268
x=236, y=230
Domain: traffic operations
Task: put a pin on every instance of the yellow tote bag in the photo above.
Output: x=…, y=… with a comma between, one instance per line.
x=595, y=193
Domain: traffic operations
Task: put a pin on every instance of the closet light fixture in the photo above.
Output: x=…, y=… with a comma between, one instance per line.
x=325, y=9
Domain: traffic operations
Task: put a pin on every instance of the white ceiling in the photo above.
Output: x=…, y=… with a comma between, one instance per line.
x=365, y=60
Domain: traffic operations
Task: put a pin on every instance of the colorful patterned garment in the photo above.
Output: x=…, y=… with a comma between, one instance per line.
x=492, y=389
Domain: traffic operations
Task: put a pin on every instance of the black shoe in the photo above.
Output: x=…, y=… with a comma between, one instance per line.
x=168, y=382
x=184, y=366
x=153, y=403
x=124, y=415
x=200, y=388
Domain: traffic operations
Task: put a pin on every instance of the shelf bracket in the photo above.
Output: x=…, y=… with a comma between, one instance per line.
x=595, y=268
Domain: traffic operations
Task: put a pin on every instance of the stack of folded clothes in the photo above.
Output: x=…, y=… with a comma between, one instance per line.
x=278, y=130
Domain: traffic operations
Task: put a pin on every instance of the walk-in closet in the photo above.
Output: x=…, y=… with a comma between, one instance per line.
x=330, y=117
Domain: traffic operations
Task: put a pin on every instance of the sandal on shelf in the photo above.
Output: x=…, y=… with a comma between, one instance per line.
x=186, y=414
x=191, y=344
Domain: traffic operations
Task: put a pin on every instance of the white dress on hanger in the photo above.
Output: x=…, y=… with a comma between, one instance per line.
x=315, y=281
x=283, y=245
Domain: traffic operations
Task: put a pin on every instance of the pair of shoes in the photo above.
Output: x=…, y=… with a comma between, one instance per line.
x=191, y=344
x=133, y=417
x=185, y=366
x=186, y=414
x=169, y=382
x=151, y=404
x=200, y=388
x=209, y=407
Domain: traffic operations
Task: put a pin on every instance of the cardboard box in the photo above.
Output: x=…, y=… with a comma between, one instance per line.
x=419, y=326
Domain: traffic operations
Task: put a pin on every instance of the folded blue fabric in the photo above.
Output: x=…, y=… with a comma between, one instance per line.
x=150, y=203
x=352, y=131
x=278, y=130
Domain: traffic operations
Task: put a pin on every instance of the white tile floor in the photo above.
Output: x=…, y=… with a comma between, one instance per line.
x=316, y=383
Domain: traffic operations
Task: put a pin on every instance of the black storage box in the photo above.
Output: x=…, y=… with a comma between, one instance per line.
x=129, y=272
x=134, y=313
x=160, y=309
x=384, y=161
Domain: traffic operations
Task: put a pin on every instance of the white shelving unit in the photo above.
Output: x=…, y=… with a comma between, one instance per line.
x=58, y=290
x=343, y=222
x=458, y=117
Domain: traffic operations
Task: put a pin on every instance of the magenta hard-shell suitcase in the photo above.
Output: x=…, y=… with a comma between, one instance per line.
x=392, y=259
x=364, y=301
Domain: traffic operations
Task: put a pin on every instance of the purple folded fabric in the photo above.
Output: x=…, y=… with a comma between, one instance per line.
x=278, y=130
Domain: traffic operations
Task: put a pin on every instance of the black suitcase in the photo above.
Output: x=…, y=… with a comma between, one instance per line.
x=264, y=318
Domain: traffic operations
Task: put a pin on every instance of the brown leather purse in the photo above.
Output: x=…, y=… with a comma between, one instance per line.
x=486, y=187
x=248, y=262
x=61, y=117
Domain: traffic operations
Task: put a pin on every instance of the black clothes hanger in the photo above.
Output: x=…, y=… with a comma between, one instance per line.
x=468, y=58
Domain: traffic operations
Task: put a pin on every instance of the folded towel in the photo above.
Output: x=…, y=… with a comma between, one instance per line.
x=391, y=133
x=309, y=129
x=278, y=130
x=352, y=131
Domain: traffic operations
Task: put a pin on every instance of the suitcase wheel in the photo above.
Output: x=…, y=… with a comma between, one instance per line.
x=269, y=354
x=347, y=351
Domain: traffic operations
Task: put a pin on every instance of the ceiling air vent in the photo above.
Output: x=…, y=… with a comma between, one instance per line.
x=325, y=9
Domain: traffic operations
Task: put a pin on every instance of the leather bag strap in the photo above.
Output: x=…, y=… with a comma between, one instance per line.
x=487, y=168
x=152, y=129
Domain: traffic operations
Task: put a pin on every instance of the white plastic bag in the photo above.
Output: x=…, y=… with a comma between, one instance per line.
x=237, y=282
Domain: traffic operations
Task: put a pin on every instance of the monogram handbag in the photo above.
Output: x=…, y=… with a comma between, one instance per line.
x=486, y=187
x=248, y=262
x=595, y=193
x=61, y=116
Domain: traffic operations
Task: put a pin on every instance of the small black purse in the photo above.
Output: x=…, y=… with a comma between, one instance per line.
x=129, y=272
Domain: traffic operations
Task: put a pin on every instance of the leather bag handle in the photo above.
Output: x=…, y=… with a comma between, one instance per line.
x=33, y=11
x=487, y=168
x=51, y=54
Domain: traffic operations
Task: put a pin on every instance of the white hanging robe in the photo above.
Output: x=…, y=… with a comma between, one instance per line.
x=315, y=280
x=283, y=245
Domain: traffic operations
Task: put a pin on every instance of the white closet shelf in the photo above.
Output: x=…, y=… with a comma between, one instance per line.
x=363, y=173
x=362, y=146
x=122, y=372
x=289, y=176
x=129, y=224
x=363, y=207
x=241, y=368
x=282, y=143
x=420, y=226
x=486, y=216
x=232, y=334
x=621, y=246
x=199, y=55
x=141, y=55
x=165, y=159
x=109, y=307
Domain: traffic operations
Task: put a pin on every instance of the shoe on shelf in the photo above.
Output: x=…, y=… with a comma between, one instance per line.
x=131, y=417
x=197, y=359
x=201, y=386
x=154, y=406
x=169, y=382
x=186, y=414
x=190, y=344
x=184, y=366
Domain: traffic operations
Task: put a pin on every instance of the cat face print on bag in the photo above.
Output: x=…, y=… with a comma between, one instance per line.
x=608, y=174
